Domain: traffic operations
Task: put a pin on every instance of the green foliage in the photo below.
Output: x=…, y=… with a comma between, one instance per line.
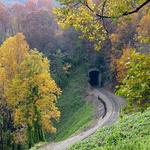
x=75, y=111
x=135, y=86
x=61, y=68
x=131, y=132
x=64, y=63
x=38, y=145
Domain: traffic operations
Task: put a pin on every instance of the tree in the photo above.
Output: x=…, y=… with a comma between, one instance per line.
x=120, y=63
x=27, y=92
x=143, y=29
x=39, y=27
x=135, y=87
x=60, y=68
x=4, y=22
x=82, y=20
x=12, y=53
x=17, y=13
x=3, y=107
x=90, y=19
x=32, y=96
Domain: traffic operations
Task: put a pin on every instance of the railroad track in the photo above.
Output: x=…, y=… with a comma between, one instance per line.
x=113, y=106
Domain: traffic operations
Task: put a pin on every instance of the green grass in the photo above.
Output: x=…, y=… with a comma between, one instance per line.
x=130, y=133
x=75, y=111
x=38, y=145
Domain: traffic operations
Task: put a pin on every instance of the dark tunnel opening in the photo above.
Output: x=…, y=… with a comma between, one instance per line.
x=94, y=78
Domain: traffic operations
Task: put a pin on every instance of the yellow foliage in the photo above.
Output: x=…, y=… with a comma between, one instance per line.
x=26, y=83
x=121, y=63
x=117, y=7
x=86, y=17
x=84, y=21
x=34, y=91
x=12, y=52
x=2, y=76
x=18, y=117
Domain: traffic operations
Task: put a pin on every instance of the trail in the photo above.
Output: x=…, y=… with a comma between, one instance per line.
x=113, y=105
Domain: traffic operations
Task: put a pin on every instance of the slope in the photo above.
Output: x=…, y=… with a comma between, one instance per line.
x=131, y=132
x=113, y=105
x=76, y=112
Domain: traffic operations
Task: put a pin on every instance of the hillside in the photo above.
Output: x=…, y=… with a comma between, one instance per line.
x=131, y=132
x=76, y=111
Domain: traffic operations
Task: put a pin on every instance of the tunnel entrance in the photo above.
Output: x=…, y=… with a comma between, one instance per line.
x=94, y=78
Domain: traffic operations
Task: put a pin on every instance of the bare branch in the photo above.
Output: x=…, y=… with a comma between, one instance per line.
x=122, y=15
x=103, y=20
x=103, y=11
x=137, y=9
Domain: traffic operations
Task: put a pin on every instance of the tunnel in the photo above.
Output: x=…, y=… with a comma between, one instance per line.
x=94, y=78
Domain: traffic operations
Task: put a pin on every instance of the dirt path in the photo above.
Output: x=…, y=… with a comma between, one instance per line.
x=113, y=105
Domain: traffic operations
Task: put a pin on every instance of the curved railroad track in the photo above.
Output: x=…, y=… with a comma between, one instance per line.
x=113, y=105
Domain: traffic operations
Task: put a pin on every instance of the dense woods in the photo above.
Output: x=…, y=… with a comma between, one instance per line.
x=45, y=52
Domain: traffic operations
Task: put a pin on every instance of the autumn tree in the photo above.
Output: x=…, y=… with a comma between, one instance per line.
x=121, y=62
x=12, y=53
x=135, y=86
x=90, y=17
x=124, y=31
x=32, y=96
x=143, y=29
x=4, y=22
x=38, y=27
x=82, y=20
x=27, y=92
x=3, y=106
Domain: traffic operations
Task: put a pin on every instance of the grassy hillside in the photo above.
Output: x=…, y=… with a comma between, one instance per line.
x=75, y=111
x=130, y=133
